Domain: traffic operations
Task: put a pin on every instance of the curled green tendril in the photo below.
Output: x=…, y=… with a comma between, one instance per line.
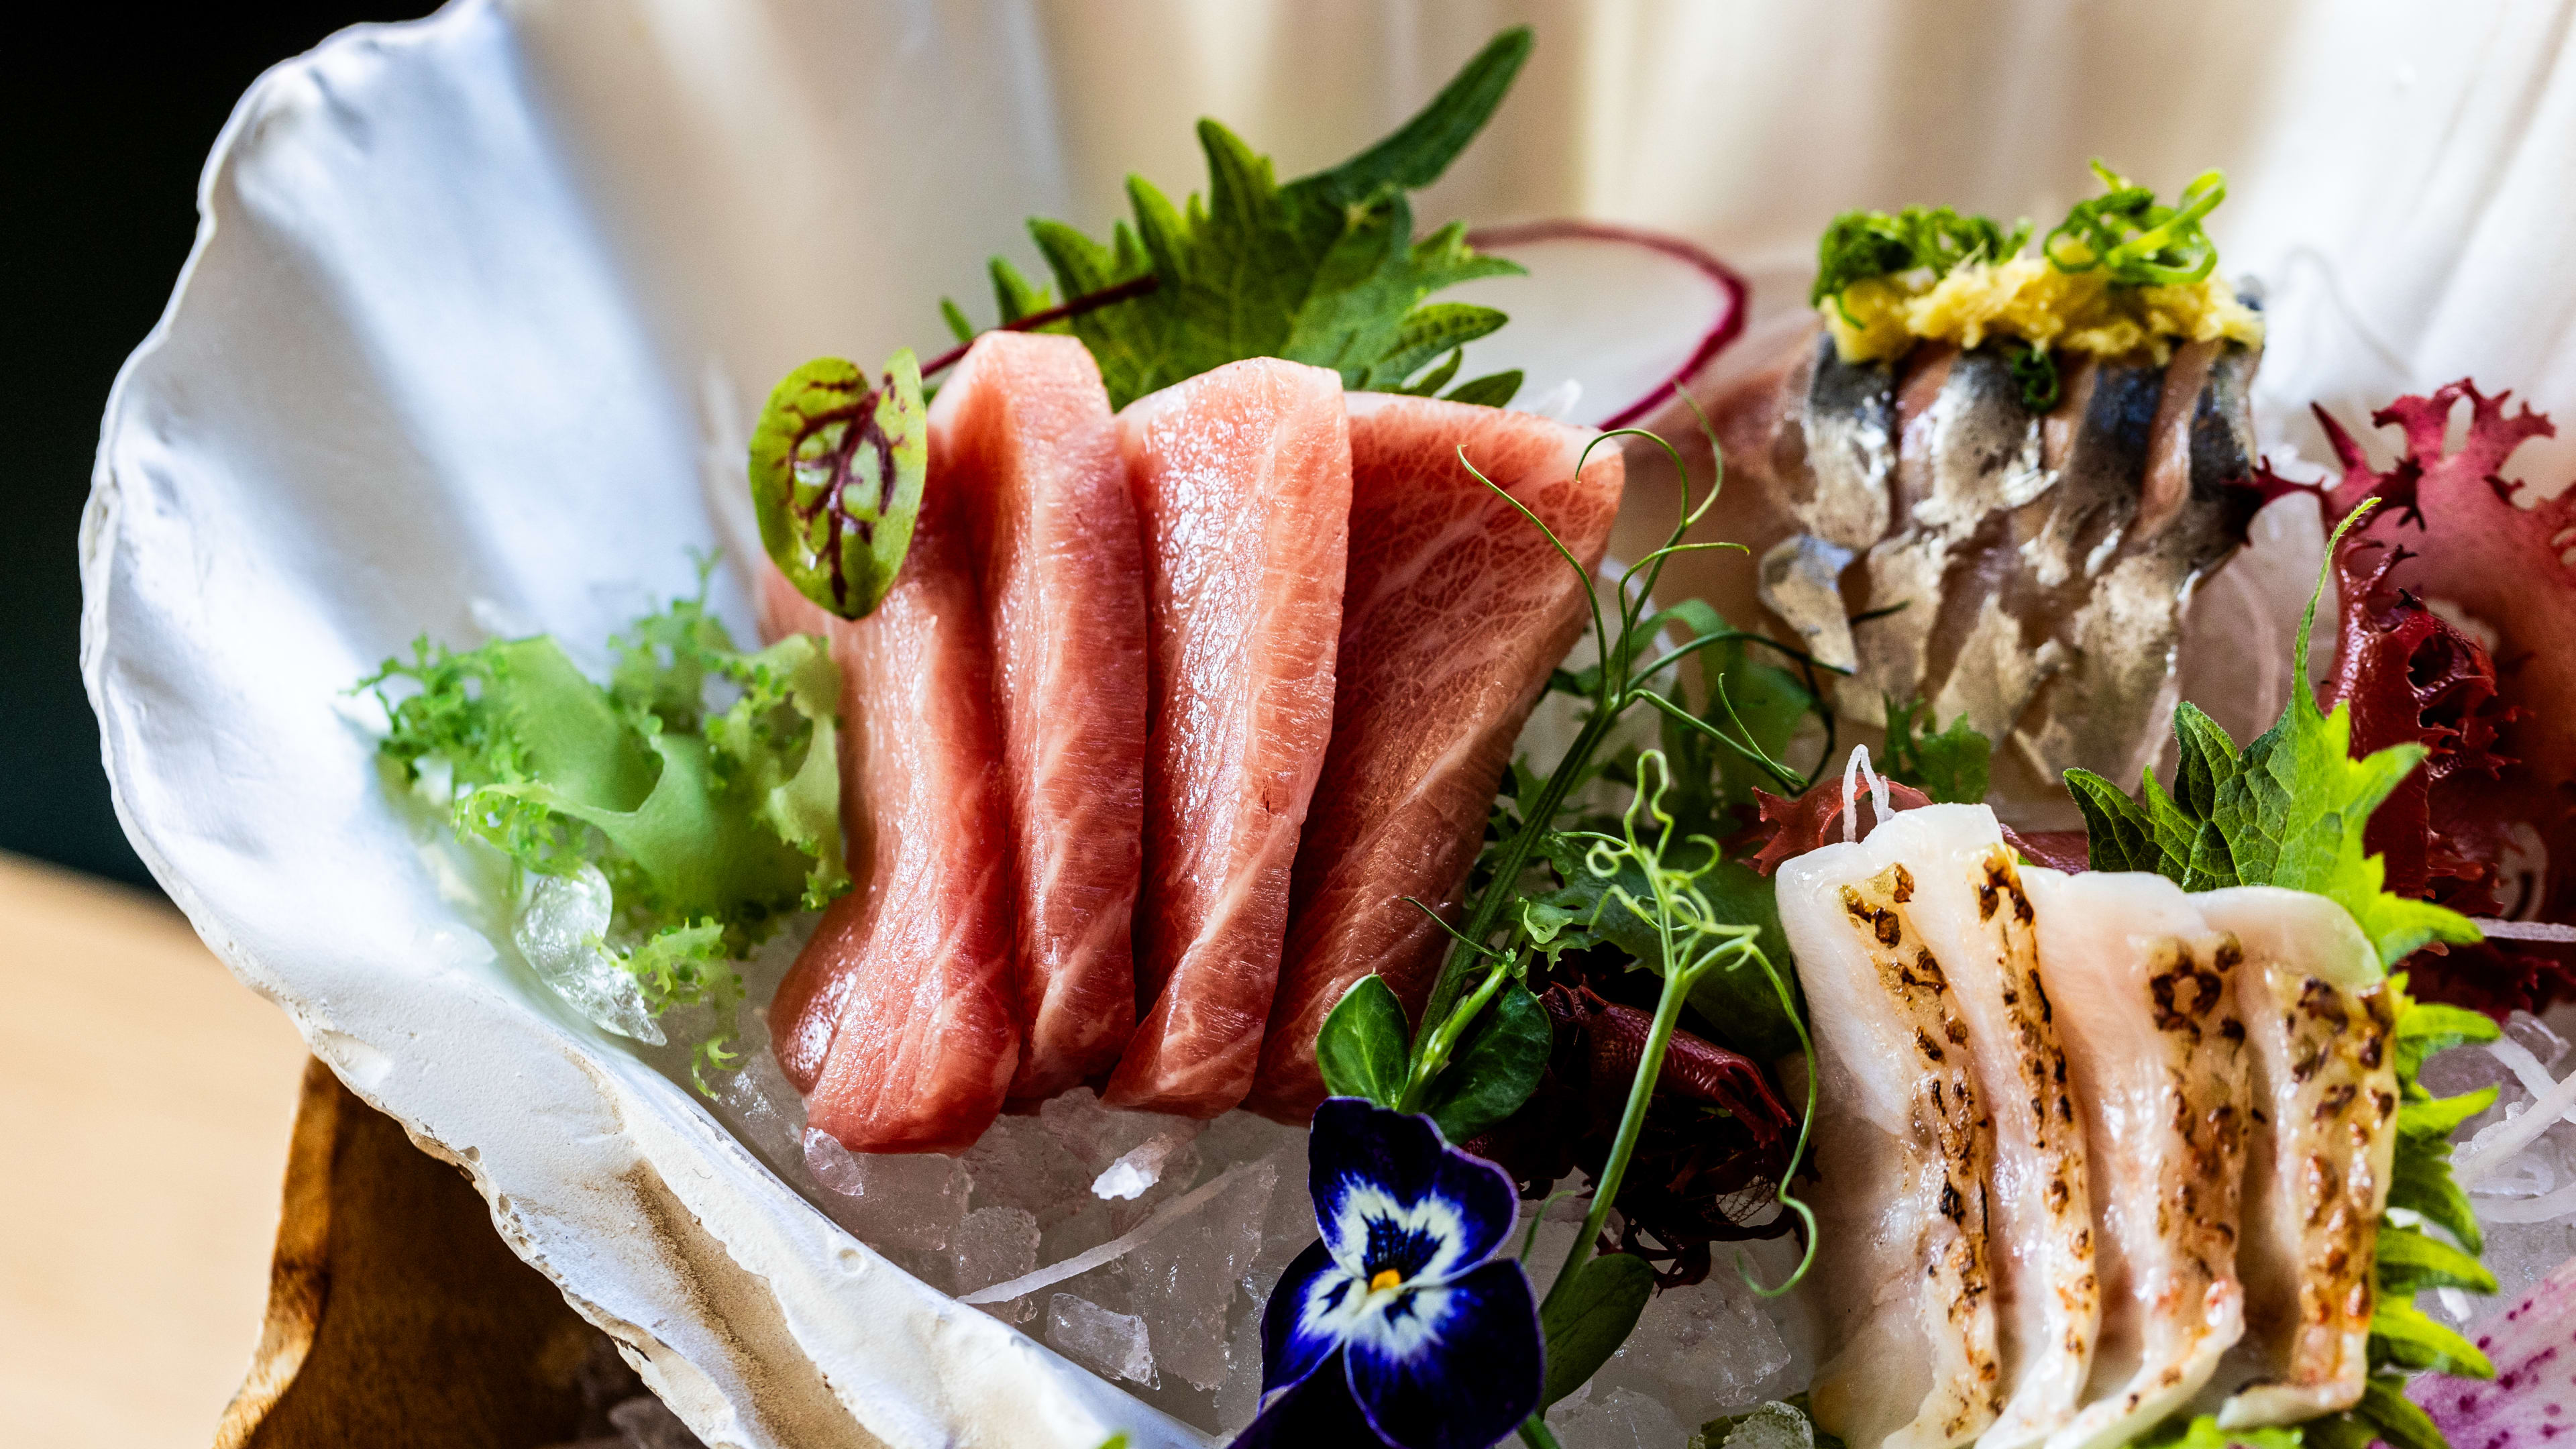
x=2125, y=234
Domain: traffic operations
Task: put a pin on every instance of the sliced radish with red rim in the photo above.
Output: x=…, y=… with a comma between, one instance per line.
x=1608, y=320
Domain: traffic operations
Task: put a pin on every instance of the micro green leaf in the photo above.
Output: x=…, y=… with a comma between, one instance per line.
x=837, y=465
x=1362, y=1046
x=1494, y=1070
x=1951, y=765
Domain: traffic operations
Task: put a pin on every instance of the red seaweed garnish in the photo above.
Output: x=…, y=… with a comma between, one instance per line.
x=1716, y=1136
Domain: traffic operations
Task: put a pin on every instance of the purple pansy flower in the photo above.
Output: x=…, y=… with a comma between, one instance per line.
x=1400, y=1327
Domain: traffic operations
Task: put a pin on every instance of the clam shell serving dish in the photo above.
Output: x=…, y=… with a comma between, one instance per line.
x=477, y=305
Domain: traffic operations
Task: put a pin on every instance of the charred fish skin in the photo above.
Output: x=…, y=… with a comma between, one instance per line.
x=2319, y=1019
x=1971, y=912
x=2147, y=994
x=1913, y=1357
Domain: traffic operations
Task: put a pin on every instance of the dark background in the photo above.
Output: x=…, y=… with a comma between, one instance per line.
x=117, y=109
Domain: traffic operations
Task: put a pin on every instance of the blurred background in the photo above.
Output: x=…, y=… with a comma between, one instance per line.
x=144, y=1095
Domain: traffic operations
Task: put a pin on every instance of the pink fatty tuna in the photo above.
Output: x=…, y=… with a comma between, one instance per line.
x=1242, y=481
x=1023, y=436
x=900, y=1020
x=1455, y=610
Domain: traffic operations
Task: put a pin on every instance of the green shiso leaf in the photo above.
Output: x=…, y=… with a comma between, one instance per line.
x=2403, y=1335
x=837, y=465
x=709, y=823
x=1322, y=270
x=2202, y=1432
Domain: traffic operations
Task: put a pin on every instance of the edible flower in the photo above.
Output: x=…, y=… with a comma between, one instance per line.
x=1400, y=1327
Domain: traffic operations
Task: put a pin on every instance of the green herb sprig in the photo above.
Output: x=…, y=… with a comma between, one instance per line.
x=1698, y=922
x=1324, y=269
x=2125, y=233
x=1860, y=245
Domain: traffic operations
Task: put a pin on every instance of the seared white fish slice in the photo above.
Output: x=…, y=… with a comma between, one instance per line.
x=2145, y=1002
x=1971, y=912
x=1906, y=1292
x=2318, y=1017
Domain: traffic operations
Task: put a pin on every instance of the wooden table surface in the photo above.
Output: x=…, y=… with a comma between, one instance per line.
x=145, y=1098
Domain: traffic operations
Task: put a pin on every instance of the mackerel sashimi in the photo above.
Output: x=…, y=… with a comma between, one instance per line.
x=1023, y=435
x=1454, y=611
x=1242, y=480
x=898, y=1020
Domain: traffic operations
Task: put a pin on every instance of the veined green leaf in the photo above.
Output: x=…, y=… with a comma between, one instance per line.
x=837, y=465
x=2401, y=1334
x=2410, y=1262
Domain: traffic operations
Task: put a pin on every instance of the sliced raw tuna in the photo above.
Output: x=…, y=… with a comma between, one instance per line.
x=1023, y=435
x=1454, y=612
x=1242, y=478
x=898, y=1020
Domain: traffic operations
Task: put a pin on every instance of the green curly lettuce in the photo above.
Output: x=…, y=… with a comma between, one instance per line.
x=702, y=782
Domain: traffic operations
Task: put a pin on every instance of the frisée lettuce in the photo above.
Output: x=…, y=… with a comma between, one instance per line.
x=701, y=782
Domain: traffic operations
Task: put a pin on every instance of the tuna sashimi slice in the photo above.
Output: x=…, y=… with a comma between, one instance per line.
x=1023, y=435
x=1242, y=479
x=898, y=1019
x=1454, y=612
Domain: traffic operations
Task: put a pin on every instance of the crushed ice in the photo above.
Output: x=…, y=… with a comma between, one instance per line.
x=559, y=930
x=1143, y=1247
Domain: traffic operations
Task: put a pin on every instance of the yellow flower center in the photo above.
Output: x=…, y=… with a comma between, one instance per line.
x=1386, y=1278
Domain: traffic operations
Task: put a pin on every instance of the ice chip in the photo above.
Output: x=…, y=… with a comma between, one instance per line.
x=1617, y=1419
x=1774, y=1425
x=1141, y=1166
x=758, y=1102
x=1185, y=1276
x=559, y=931
x=994, y=1245
x=1019, y=1163
x=1701, y=1350
x=1240, y=1396
x=646, y=1424
x=1113, y=1345
x=1097, y=1136
x=910, y=1201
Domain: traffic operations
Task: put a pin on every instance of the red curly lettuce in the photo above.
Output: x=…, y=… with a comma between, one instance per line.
x=2488, y=826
